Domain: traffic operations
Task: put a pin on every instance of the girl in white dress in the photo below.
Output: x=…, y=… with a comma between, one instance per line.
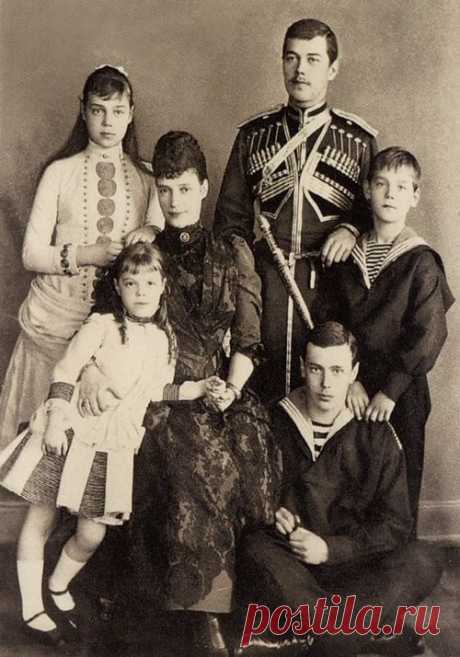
x=85, y=464
x=94, y=197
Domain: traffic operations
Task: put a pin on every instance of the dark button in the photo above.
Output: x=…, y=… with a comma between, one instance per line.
x=105, y=224
x=105, y=206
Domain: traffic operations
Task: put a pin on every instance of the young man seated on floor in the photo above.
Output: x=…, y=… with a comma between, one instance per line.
x=345, y=522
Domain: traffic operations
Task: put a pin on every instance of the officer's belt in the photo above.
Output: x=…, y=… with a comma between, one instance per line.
x=303, y=255
x=311, y=257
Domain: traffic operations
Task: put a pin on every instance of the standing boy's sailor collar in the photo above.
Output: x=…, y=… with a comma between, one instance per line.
x=404, y=242
x=302, y=115
x=110, y=154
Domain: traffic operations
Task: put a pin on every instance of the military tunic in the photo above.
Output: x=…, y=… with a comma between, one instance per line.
x=317, y=159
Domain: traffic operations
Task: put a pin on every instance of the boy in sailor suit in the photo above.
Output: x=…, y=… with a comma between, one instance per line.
x=394, y=296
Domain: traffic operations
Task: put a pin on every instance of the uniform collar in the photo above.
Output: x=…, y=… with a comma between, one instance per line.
x=113, y=154
x=302, y=115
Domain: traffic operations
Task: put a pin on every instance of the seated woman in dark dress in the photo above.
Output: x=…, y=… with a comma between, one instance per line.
x=207, y=468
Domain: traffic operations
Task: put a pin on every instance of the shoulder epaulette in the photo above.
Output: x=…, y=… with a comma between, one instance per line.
x=262, y=115
x=354, y=118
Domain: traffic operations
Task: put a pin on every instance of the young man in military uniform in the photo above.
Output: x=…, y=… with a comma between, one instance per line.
x=302, y=166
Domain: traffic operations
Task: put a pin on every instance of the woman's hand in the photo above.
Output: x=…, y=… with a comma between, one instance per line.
x=142, y=234
x=219, y=395
x=98, y=255
x=191, y=390
x=96, y=393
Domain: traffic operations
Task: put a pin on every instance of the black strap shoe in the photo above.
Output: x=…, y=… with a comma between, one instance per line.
x=69, y=619
x=53, y=638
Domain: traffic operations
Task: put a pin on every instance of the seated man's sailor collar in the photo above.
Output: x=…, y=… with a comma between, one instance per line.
x=303, y=114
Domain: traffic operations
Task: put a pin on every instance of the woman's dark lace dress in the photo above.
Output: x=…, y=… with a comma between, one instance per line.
x=202, y=475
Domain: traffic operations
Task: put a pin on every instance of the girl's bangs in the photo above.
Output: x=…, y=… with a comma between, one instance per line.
x=135, y=265
x=106, y=88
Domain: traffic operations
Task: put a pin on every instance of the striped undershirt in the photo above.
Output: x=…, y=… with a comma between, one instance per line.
x=375, y=255
x=320, y=432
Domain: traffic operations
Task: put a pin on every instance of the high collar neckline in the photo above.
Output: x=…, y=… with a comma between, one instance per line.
x=183, y=238
x=301, y=114
x=139, y=320
x=115, y=153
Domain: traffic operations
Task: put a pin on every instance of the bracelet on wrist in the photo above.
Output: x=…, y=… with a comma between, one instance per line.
x=235, y=390
x=65, y=262
x=171, y=392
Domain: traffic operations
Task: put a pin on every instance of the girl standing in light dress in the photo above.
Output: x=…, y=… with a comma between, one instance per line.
x=94, y=197
x=85, y=464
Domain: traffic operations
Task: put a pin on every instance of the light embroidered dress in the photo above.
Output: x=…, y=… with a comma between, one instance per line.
x=94, y=196
x=95, y=478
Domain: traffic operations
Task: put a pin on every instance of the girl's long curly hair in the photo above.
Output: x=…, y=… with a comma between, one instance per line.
x=132, y=259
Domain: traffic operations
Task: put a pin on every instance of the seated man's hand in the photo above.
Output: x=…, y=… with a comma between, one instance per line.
x=96, y=393
x=380, y=408
x=285, y=521
x=357, y=399
x=309, y=547
x=142, y=234
x=338, y=246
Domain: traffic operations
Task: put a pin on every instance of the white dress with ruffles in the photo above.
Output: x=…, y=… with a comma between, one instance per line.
x=138, y=370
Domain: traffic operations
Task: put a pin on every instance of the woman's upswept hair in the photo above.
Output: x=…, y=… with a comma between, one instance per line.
x=133, y=258
x=106, y=81
x=177, y=151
